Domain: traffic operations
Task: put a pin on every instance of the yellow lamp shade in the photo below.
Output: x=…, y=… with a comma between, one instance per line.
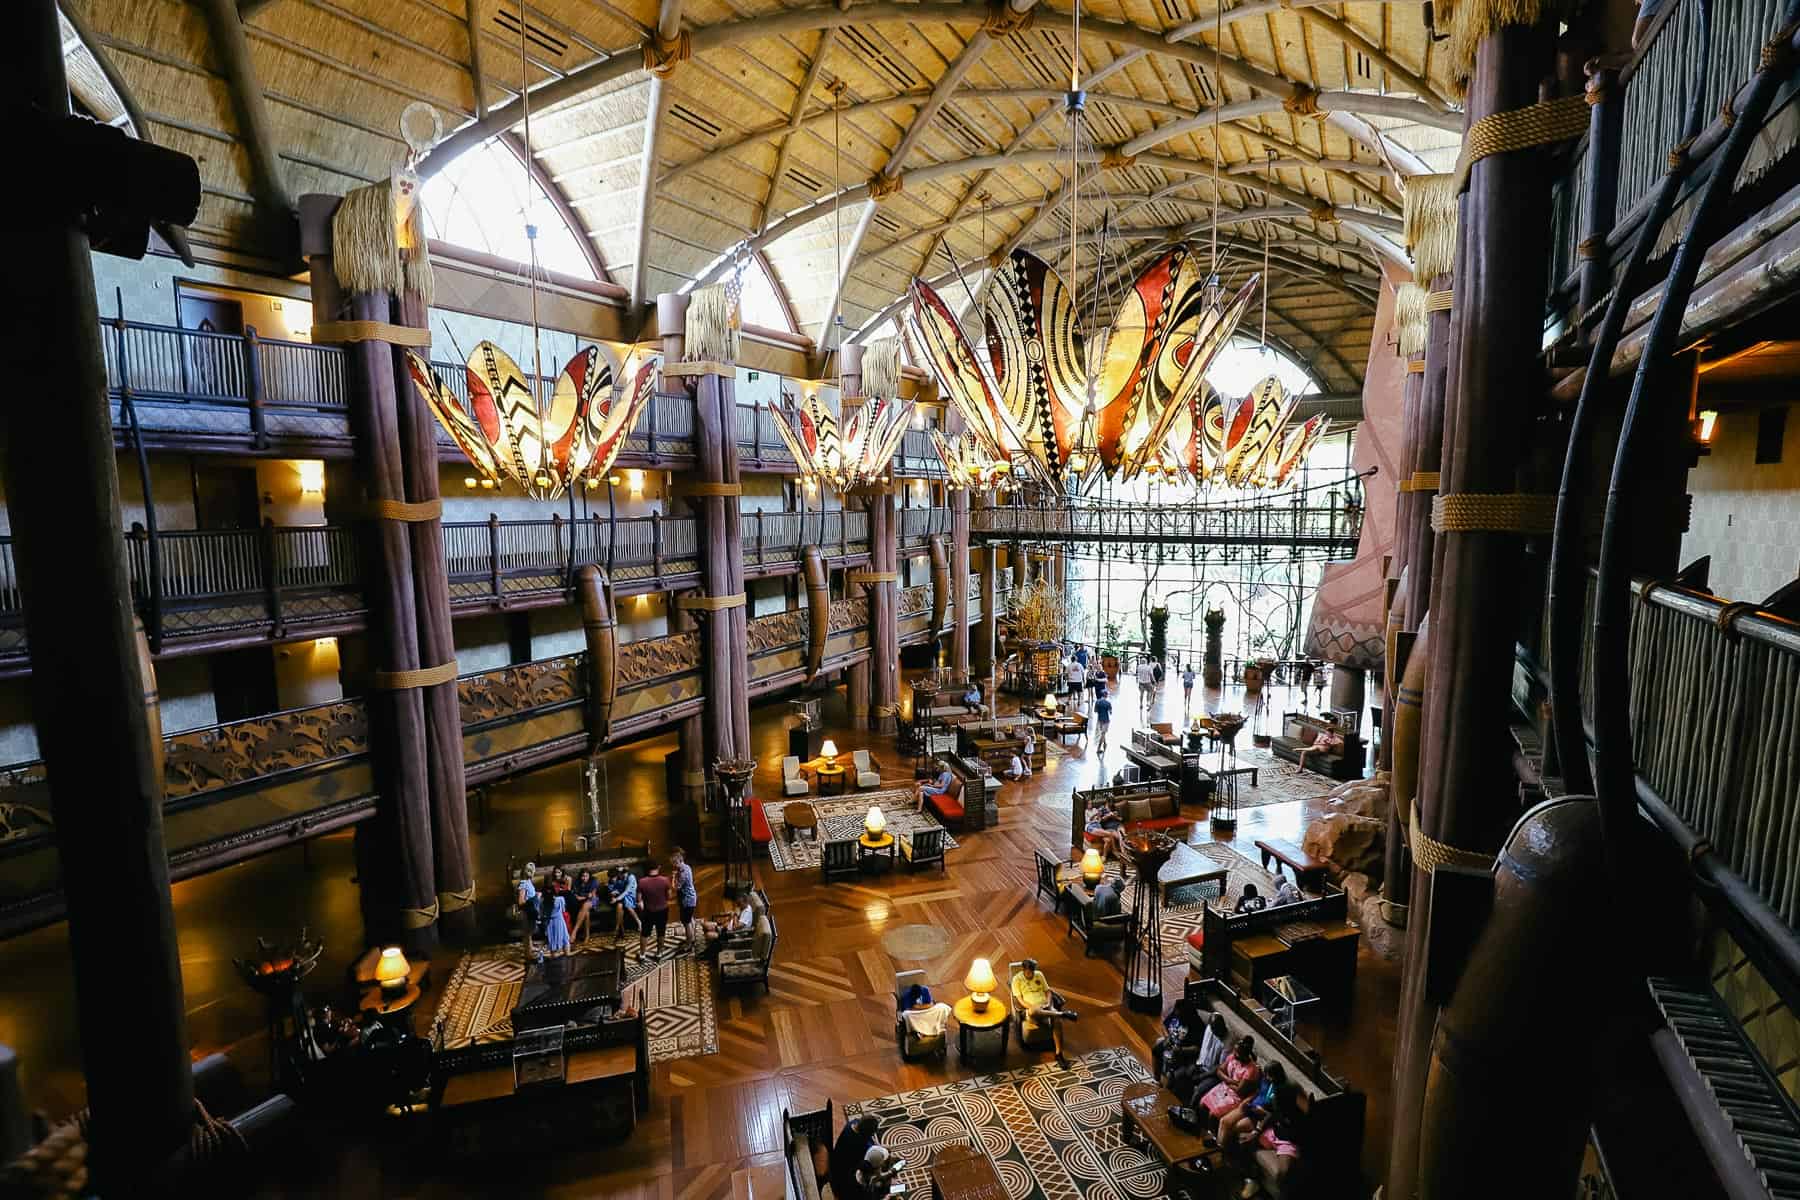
x=392, y=970
x=1092, y=865
x=981, y=983
x=829, y=750
x=1049, y=699
x=875, y=822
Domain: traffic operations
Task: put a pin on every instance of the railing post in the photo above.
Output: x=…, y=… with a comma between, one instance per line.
x=655, y=406
x=271, y=578
x=756, y=434
x=1606, y=120
x=253, y=388
x=494, y=554
x=762, y=552
x=656, y=545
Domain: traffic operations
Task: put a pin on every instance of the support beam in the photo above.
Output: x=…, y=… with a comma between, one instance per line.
x=1354, y=102
x=255, y=132
x=786, y=23
x=656, y=102
x=477, y=78
x=828, y=337
x=794, y=122
x=175, y=235
x=1396, y=70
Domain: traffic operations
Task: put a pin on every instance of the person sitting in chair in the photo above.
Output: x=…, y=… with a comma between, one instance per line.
x=1182, y=1030
x=848, y=1153
x=972, y=699
x=923, y=1016
x=1106, y=824
x=879, y=1167
x=1039, y=1006
x=1287, y=891
x=740, y=920
x=1196, y=1075
x=1251, y=901
x=934, y=787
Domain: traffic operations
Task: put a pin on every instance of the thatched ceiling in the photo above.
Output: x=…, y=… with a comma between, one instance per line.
x=953, y=116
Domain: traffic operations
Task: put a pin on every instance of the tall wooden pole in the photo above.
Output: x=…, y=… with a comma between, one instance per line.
x=959, y=580
x=88, y=695
x=671, y=325
x=986, y=565
x=395, y=849
x=1467, y=798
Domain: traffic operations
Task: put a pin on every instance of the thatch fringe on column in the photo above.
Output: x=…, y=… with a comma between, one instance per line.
x=1429, y=224
x=881, y=369
x=1409, y=319
x=370, y=255
x=1469, y=21
x=711, y=337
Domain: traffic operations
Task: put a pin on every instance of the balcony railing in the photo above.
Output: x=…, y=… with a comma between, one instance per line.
x=1332, y=530
x=920, y=524
x=207, y=582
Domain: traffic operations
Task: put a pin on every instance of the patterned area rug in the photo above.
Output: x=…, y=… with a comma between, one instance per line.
x=1053, y=1133
x=839, y=819
x=674, y=991
x=1276, y=781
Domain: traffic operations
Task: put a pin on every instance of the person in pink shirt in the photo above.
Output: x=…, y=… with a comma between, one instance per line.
x=1239, y=1077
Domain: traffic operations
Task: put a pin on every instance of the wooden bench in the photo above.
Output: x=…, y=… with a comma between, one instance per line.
x=1308, y=871
x=807, y=1144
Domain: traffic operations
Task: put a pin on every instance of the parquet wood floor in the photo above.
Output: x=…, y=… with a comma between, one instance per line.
x=823, y=1030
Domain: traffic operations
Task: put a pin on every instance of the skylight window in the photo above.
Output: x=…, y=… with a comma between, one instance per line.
x=478, y=201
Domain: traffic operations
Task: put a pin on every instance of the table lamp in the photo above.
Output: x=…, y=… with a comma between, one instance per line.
x=875, y=822
x=1092, y=865
x=392, y=970
x=981, y=984
x=829, y=752
x=1049, y=701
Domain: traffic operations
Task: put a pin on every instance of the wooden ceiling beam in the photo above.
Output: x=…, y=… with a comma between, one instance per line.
x=796, y=118
x=225, y=28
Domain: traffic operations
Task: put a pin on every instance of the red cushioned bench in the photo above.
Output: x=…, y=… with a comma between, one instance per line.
x=759, y=823
x=948, y=808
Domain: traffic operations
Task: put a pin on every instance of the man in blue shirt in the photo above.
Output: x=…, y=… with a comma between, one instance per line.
x=1102, y=720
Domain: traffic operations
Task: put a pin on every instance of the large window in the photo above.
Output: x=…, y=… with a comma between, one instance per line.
x=760, y=304
x=480, y=201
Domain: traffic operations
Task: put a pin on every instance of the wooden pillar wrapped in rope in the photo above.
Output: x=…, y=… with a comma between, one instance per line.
x=959, y=580
x=395, y=851
x=987, y=568
x=1606, y=125
x=1432, y=205
x=884, y=644
x=1021, y=565
x=707, y=372
x=1467, y=796
x=938, y=550
x=91, y=699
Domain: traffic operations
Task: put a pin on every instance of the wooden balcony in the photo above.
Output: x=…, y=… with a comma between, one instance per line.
x=194, y=392
x=205, y=590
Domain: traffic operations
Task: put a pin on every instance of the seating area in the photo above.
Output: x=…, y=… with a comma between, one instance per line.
x=1320, y=744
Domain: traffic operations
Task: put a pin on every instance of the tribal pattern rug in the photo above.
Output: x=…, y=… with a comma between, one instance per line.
x=1053, y=1133
x=674, y=991
x=840, y=819
x=1277, y=781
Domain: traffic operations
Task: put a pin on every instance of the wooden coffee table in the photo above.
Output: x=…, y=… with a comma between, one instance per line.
x=962, y=1173
x=800, y=816
x=1145, y=1108
x=1187, y=865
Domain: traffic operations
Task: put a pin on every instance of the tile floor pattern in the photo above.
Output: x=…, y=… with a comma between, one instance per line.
x=1053, y=1133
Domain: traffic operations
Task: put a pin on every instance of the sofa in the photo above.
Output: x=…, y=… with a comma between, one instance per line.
x=1331, y=1156
x=807, y=1142
x=1301, y=731
x=1100, y=933
x=1148, y=810
x=948, y=808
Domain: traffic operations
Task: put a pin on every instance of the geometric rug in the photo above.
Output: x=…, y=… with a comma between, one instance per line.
x=1277, y=781
x=674, y=992
x=1053, y=1133
x=840, y=819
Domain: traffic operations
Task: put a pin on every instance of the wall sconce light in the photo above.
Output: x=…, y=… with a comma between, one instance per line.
x=470, y=482
x=487, y=483
x=312, y=477
x=1704, y=427
x=635, y=478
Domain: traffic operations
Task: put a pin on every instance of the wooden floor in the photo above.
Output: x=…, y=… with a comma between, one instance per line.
x=823, y=1030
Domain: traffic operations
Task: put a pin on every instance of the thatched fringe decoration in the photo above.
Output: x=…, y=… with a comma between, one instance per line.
x=710, y=335
x=365, y=253
x=1409, y=319
x=1471, y=20
x=1430, y=225
x=881, y=369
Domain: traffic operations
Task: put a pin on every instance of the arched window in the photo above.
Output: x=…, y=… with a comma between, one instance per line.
x=479, y=201
x=760, y=303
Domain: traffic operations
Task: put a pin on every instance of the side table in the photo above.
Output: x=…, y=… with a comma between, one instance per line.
x=971, y=1025
x=871, y=851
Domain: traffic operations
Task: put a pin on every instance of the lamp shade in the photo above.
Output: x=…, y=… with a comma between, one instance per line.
x=392, y=970
x=1092, y=865
x=829, y=749
x=875, y=822
x=980, y=980
x=1049, y=699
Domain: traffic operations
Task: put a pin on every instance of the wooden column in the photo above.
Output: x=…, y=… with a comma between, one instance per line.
x=1021, y=565
x=959, y=580
x=395, y=849
x=986, y=560
x=884, y=666
x=1425, y=456
x=446, y=785
x=1467, y=794
x=97, y=735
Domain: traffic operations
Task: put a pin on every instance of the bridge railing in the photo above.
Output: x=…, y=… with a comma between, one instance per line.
x=1328, y=527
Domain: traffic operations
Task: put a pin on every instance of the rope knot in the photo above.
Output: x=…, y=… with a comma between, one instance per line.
x=1678, y=156
x=1727, y=618
x=882, y=186
x=1116, y=160
x=1002, y=20
x=1302, y=102
x=662, y=56
x=1728, y=114
x=995, y=260
x=1589, y=248
x=1778, y=51
x=1324, y=214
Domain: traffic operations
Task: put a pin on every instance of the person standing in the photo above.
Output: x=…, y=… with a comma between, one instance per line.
x=1146, y=681
x=1076, y=678
x=686, y=894
x=653, y=907
x=1102, y=719
x=848, y=1154
x=1187, y=688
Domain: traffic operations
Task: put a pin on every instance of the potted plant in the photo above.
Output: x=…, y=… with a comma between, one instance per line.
x=1159, y=633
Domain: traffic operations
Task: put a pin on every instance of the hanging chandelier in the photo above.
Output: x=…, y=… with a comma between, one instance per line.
x=859, y=456
x=507, y=434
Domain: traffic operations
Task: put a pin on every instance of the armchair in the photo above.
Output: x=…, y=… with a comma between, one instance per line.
x=1042, y=1037
x=1046, y=878
x=1100, y=933
x=922, y=846
x=792, y=782
x=750, y=964
x=913, y=1045
x=837, y=859
x=868, y=770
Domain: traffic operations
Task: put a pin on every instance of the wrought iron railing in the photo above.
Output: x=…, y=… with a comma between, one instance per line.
x=1330, y=528
x=918, y=524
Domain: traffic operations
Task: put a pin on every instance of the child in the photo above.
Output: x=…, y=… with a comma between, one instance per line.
x=556, y=930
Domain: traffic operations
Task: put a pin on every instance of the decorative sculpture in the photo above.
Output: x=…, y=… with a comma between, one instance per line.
x=1213, y=673
x=601, y=630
